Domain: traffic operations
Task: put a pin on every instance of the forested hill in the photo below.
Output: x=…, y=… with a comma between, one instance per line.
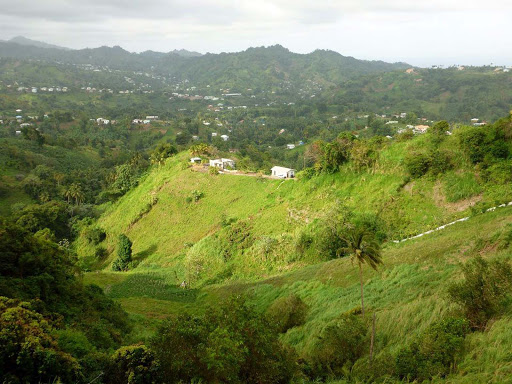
x=267, y=64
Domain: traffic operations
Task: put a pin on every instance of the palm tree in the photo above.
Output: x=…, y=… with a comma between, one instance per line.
x=363, y=249
x=68, y=193
x=77, y=193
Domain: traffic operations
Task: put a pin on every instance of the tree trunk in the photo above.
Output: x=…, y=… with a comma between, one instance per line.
x=361, y=281
x=372, y=340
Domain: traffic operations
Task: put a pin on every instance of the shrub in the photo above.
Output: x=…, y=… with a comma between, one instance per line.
x=135, y=364
x=101, y=253
x=440, y=161
x=306, y=173
x=303, y=242
x=197, y=195
x=417, y=164
x=484, y=291
x=124, y=254
x=335, y=348
x=239, y=235
x=379, y=370
x=95, y=235
x=434, y=353
x=472, y=142
x=498, y=173
x=288, y=312
x=231, y=343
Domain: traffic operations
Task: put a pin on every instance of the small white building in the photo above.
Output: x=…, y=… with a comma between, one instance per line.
x=195, y=160
x=224, y=137
x=222, y=163
x=282, y=172
x=290, y=146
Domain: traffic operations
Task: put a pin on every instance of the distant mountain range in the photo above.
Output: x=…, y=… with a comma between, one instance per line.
x=260, y=66
x=21, y=40
x=34, y=43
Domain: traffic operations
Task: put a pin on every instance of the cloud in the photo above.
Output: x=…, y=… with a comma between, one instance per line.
x=377, y=29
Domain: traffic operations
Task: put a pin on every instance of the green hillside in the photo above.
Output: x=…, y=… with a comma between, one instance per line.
x=281, y=214
x=408, y=293
x=272, y=241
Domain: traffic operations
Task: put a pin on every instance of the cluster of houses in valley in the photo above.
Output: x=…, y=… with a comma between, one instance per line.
x=42, y=89
x=224, y=164
x=102, y=121
x=145, y=121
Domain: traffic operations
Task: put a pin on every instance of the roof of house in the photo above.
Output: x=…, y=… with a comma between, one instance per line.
x=282, y=169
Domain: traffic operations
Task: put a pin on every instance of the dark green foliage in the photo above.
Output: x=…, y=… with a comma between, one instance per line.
x=288, y=312
x=435, y=352
x=134, y=364
x=336, y=347
x=29, y=352
x=125, y=178
x=334, y=154
x=417, y=164
x=438, y=132
x=74, y=342
x=363, y=155
x=31, y=133
x=95, y=235
x=124, y=254
x=53, y=215
x=485, y=290
x=472, y=141
x=231, y=343
x=440, y=162
x=162, y=152
x=434, y=162
x=32, y=268
x=381, y=369
x=498, y=173
x=238, y=235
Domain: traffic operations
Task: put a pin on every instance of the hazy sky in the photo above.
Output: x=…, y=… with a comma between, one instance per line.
x=418, y=32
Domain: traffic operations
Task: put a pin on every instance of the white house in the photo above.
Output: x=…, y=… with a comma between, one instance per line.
x=214, y=134
x=151, y=117
x=282, y=172
x=195, y=160
x=224, y=137
x=222, y=163
x=290, y=146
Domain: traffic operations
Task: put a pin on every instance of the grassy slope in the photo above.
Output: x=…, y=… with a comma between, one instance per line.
x=162, y=236
x=408, y=293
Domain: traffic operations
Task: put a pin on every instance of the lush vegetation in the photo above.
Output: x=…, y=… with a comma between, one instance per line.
x=121, y=261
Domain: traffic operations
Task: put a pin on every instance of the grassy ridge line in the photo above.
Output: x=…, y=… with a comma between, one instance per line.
x=163, y=234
